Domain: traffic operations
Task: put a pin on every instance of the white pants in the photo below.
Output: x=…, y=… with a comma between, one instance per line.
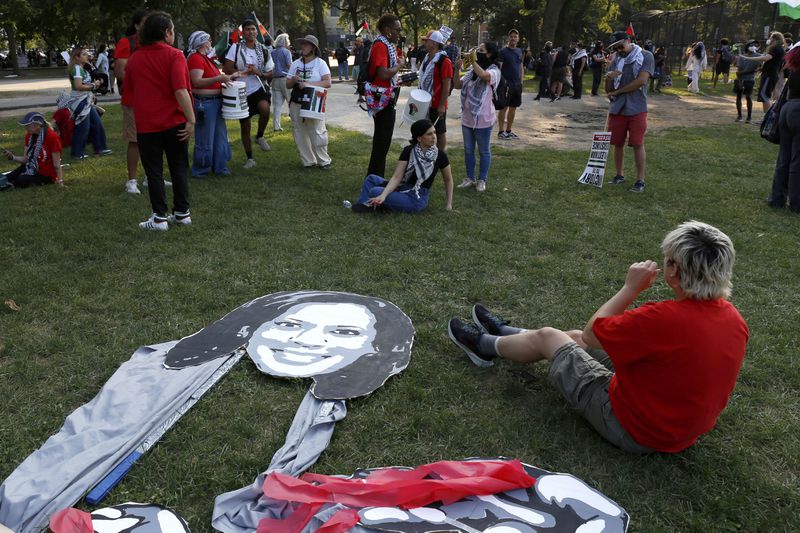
x=311, y=138
x=695, y=76
x=280, y=94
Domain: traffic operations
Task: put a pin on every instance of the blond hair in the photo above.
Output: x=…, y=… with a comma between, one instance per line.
x=704, y=256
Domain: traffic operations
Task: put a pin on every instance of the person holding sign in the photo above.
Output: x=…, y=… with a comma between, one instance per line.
x=626, y=87
x=310, y=134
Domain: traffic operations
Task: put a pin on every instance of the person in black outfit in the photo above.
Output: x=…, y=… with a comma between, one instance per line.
x=786, y=180
x=579, y=60
x=342, y=54
x=656, y=80
x=770, y=71
x=559, y=76
x=597, y=61
x=544, y=69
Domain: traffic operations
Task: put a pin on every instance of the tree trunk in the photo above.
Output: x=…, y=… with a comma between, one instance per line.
x=319, y=28
x=552, y=13
x=12, y=49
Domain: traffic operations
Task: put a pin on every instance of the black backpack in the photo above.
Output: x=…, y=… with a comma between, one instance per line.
x=500, y=94
x=363, y=69
x=726, y=54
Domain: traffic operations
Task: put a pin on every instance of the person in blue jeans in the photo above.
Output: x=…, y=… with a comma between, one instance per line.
x=786, y=180
x=88, y=126
x=342, y=54
x=408, y=189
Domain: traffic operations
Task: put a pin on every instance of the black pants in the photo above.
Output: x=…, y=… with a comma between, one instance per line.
x=20, y=180
x=544, y=86
x=577, y=84
x=381, y=140
x=597, y=76
x=152, y=147
x=786, y=180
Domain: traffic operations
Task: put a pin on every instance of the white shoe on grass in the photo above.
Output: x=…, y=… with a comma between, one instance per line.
x=466, y=183
x=179, y=218
x=167, y=183
x=132, y=187
x=262, y=142
x=154, y=223
x=250, y=163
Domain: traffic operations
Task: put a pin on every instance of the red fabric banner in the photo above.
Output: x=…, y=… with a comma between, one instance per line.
x=71, y=521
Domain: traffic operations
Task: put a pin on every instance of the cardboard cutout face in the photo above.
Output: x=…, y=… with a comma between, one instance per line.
x=348, y=343
x=138, y=518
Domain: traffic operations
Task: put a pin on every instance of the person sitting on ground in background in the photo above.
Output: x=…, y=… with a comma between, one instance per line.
x=212, y=151
x=408, y=190
x=642, y=387
x=786, y=180
x=282, y=58
x=88, y=126
x=746, y=68
x=722, y=63
x=254, y=63
x=436, y=79
x=41, y=163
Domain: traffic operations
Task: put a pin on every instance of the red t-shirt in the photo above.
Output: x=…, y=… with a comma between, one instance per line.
x=676, y=365
x=210, y=70
x=123, y=51
x=378, y=57
x=51, y=145
x=153, y=74
x=442, y=71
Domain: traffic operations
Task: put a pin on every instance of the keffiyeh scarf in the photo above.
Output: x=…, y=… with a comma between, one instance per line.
x=635, y=58
x=473, y=92
x=33, y=151
x=420, y=164
x=79, y=105
x=426, y=72
x=196, y=40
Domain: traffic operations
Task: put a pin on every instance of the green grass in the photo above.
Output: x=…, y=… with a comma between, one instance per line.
x=537, y=247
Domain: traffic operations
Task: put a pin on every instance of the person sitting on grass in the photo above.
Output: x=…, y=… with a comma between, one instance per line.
x=407, y=191
x=41, y=164
x=652, y=378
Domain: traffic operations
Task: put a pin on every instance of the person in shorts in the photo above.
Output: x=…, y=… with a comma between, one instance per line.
x=436, y=78
x=253, y=61
x=512, y=71
x=559, y=74
x=626, y=87
x=771, y=75
x=641, y=386
x=746, y=68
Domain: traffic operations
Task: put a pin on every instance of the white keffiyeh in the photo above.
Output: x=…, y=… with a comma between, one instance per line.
x=426, y=72
x=634, y=58
x=420, y=164
x=392, y=55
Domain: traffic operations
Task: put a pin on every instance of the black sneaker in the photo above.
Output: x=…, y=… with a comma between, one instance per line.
x=466, y=337
x=617, y=179
x=486, y=320
x=637, y=187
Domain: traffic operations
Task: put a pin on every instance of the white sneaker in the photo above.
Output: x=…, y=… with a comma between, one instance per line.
x=179, y=218
x=132, y=187
x=481, y=185
x=250, y=163
x=154, y=224
x=466, y=183
x=262, y=142
x=167, y=183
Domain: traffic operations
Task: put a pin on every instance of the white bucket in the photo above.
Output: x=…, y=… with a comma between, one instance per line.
x=234, y=101
x=417, y=106
x=313, y=104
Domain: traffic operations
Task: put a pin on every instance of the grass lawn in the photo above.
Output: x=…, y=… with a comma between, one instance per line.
x=537, y=247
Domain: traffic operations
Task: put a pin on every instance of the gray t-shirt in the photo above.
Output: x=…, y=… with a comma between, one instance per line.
x=634, y=102
x=746, y=68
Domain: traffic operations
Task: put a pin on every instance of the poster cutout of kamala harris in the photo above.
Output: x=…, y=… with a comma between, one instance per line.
x=347, y=343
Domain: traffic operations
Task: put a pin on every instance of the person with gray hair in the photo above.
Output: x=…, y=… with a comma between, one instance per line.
x=649, y=379
x=282, y=58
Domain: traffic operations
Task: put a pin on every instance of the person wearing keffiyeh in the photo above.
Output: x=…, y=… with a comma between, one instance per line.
x=41, y=163
x=436, y=78
x=626, y=87
x=407, y=191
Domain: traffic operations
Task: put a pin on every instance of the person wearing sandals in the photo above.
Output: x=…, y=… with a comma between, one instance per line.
x=158, y=77
x=408, y=190
x=310, y=134
x=88, y=126
x=41, y=164
x=642, y=387
x=212, y=151
x=478, y=114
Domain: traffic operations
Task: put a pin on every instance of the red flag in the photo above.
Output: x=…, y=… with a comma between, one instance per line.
x=630, y=31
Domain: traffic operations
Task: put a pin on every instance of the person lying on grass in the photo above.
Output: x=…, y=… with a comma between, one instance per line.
x=407, y=191
x=651, y=378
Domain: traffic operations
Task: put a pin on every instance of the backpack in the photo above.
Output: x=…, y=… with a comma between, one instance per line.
x=363, y=71
x=726, y=54
x=500, y=94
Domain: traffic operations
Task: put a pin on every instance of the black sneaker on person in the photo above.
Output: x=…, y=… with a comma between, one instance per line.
x=637, y=187
x=617, y=179
x=467, y=337
x=486, y=320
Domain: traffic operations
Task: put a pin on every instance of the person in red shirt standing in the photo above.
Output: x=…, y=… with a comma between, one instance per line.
x=122, y=54
x=436, y=78
x=384, y=63
x=652, y=378
x=41, y=163
x=158, y=76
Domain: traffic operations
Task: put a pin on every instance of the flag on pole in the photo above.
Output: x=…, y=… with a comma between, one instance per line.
x=263, y=34
x=364, y=26
x=630, y=31
x=222, y=45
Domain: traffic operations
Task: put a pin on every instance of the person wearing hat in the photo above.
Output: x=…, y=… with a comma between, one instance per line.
x=41, y=163
x=436, y=78
x=254, y=63
x=626, y=87
x=310, y=135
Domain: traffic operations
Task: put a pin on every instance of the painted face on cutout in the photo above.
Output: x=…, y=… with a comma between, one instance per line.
x=314, y=338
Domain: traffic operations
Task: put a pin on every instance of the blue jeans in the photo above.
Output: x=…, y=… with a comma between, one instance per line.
x=212, y=151
x=343, y=71
x=402, y=199
x=91, y=130
x=482, y=137
x=786, y=180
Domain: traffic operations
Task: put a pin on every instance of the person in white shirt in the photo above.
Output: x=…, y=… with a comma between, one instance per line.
x=310, y=135
x=254, y=62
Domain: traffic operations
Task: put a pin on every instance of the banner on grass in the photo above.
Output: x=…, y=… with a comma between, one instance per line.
x=596, y=167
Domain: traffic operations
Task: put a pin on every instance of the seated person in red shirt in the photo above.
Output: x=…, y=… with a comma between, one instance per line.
x=41, y=163
x=652, y=378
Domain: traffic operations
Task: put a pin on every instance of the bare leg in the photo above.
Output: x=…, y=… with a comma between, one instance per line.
x=263, y=117
x=512, y=112
x=441, y=141
x=619, y=155
x=501, y=120
x=247, y=143
x=133, y=159
x=640, y=158
x=532, y=345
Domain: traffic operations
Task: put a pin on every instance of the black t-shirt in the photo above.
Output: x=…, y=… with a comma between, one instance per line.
x=562, y=58
x=794, y=85
x=772, y=66
x=442, y=162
